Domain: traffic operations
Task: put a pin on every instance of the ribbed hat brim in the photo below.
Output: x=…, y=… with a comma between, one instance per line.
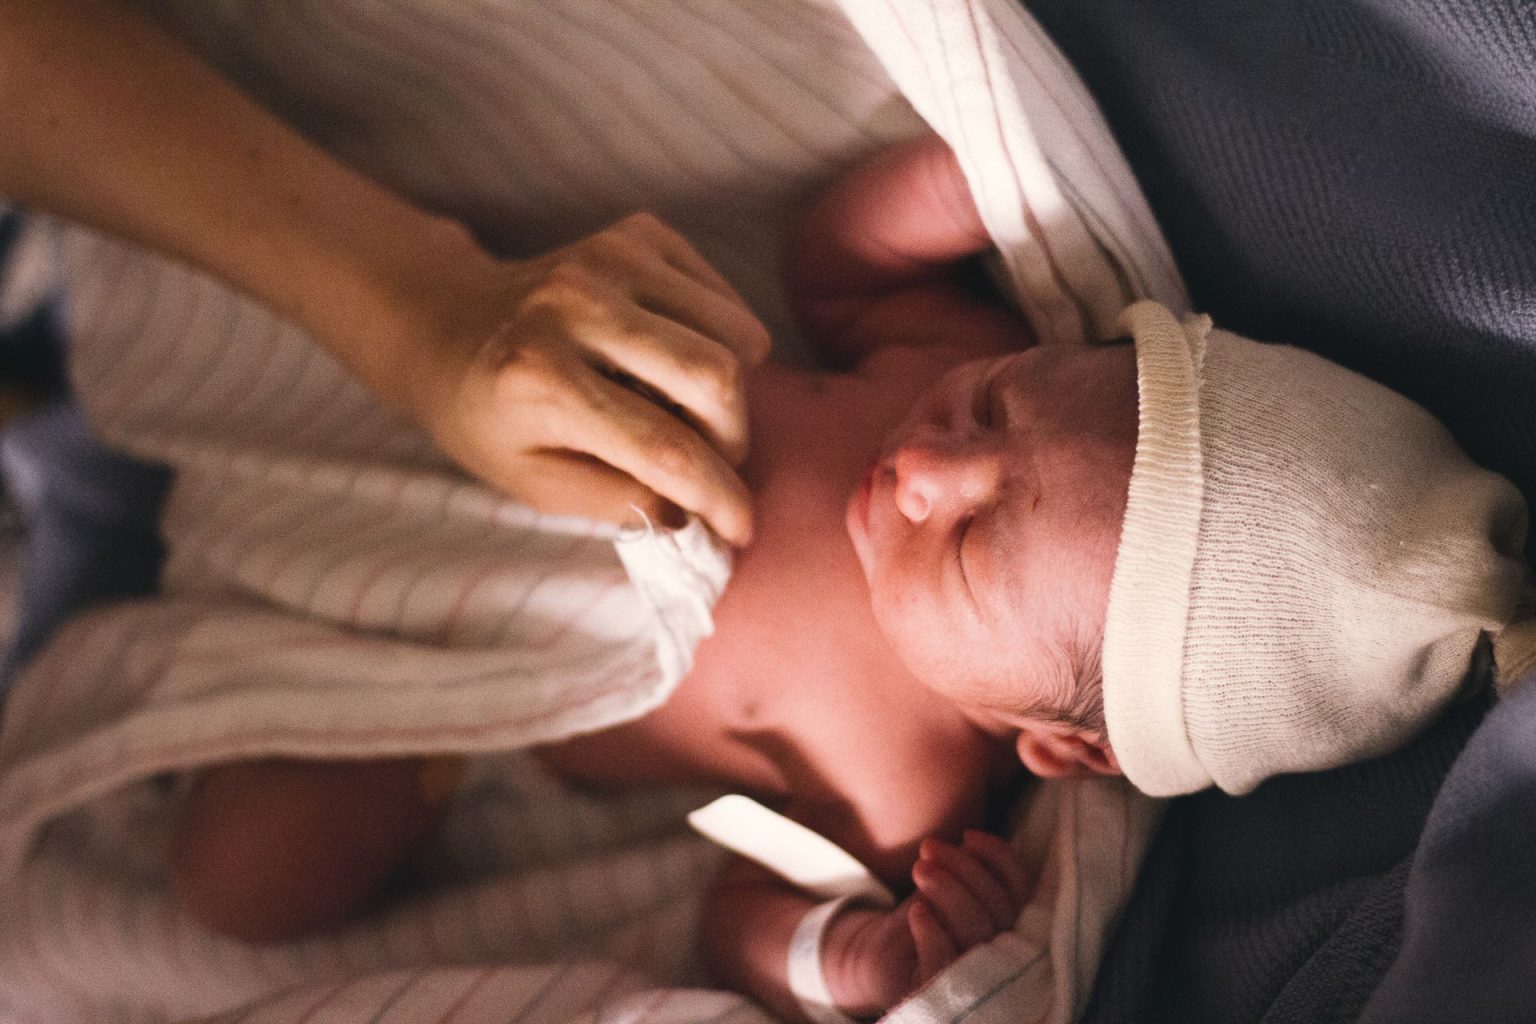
x=1149, y=597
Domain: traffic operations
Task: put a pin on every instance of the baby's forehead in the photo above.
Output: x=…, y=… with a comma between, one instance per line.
x=1083, y=392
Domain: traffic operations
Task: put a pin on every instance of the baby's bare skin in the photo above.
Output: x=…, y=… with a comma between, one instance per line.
x=798, y=696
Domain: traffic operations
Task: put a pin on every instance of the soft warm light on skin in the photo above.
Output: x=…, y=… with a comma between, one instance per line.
x=987, y=528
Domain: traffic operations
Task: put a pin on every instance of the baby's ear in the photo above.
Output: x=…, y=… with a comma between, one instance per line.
x=1051, y=750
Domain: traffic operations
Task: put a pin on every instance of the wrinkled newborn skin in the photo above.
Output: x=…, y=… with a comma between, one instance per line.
x=988, y=528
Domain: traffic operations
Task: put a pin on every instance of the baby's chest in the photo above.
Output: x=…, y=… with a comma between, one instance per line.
x=879, y=784
x=856, y=748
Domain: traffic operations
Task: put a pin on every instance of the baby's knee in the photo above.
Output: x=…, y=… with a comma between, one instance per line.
x=272, y=850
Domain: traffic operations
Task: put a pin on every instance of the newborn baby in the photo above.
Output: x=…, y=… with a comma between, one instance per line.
x=924, y=609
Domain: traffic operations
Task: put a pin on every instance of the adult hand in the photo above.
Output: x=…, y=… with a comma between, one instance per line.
x=598, y=379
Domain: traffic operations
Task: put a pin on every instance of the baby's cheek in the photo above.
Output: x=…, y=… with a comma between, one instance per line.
x=904, y=632
x=929, y=648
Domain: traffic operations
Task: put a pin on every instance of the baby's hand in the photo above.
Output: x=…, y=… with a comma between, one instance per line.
x=965, y=895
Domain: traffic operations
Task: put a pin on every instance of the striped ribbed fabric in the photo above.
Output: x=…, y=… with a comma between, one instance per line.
x=335, y=588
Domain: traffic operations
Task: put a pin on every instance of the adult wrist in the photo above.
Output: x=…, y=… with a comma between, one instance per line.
x=397, y=312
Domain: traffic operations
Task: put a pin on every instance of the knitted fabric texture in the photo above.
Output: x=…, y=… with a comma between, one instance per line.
x=1307, y=565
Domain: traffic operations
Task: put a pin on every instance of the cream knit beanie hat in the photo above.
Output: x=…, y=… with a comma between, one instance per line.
x=1307, y=564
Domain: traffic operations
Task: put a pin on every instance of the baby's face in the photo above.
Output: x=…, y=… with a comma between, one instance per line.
x=988, y=527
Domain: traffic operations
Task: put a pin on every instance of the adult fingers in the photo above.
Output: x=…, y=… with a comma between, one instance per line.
x=681, y=284
x=651, y=231
x=961, y=913
x=977, y=879
x=589, y=311
x=581, y=485
x=640, y=438
x=682, y=371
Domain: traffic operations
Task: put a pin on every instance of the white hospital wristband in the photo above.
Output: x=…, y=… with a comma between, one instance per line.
x=807, y=983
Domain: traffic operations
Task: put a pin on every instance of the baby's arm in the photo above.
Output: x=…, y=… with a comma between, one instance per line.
x=871, y=959
x=886, y=253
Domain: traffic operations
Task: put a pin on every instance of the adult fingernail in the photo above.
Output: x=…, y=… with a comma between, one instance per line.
x=670, y=516
x=740, y=533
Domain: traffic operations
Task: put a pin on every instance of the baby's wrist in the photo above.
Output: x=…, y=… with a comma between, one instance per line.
x=848, y=983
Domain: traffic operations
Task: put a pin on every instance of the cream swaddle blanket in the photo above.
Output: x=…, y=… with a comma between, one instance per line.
x=335, y=589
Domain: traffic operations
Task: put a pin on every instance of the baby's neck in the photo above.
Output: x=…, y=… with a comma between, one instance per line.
x=816, y=430
x=794, y=629
x=797, y=677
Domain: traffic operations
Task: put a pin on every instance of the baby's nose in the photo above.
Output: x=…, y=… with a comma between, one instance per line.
x=937, y=476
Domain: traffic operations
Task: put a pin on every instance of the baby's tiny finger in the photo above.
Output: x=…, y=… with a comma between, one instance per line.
x=961, y=913
x=935, y=949
x=1005, y=862
x=976, y=876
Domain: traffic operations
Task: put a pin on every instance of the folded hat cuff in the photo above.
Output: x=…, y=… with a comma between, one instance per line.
x=1149, y=596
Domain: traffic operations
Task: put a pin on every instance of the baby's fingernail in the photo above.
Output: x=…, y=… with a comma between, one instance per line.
x=926, y=849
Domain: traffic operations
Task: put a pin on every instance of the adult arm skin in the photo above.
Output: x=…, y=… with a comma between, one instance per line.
x=511, y=366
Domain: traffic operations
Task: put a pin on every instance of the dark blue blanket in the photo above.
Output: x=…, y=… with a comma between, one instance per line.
x=1357, y=177
x=91, y=514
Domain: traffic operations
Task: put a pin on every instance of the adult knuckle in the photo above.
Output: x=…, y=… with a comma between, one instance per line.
x=646, y=232
x=529, y=374
x=565, y=285
x=640, y=222
x=672, y=458
x=720, y=379
x=618, y=250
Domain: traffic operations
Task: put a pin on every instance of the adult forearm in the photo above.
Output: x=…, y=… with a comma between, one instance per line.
x=518, y=370
x=110, y=121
